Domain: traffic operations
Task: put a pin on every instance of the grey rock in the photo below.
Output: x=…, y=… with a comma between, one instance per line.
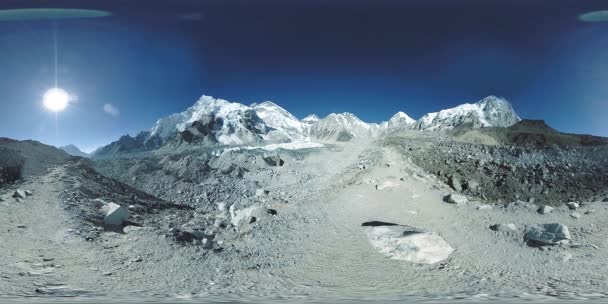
x=456, y=199
x=508, y=228
x=261, y=192
x=547, y=234
x=19, y=194
x=472, y=185
x=455, y=184
x=572, y=205
x=575, y=215
x=545, y=209
x=114, y=214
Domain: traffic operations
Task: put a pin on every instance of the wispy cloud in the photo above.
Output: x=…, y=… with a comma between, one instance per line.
x=111, y=109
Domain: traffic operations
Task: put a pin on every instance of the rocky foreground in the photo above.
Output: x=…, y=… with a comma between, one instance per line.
x=412, y=216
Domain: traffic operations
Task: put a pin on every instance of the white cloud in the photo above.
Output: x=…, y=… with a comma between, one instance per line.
x=111, y=109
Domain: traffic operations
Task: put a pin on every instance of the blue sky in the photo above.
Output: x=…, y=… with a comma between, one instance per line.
x=369, y=59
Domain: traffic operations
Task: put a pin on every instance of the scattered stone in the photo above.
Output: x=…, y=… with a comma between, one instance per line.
x=508, y=228
x=572, y=205
x=409, y=244
x=456, y=199
x=575, y=215
x=137, y=259
x=28, y=193
x=22, y=226
x=545, y=209
x=484, y=207
x=589, y=211
x=114, y=214
x=547, y=234
x=605, y=200
x=19, y=194
x=107, y=273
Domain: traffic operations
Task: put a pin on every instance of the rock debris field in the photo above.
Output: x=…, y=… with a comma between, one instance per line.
x=406, y=217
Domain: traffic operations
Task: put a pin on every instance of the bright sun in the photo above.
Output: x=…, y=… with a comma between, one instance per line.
x=56, y=99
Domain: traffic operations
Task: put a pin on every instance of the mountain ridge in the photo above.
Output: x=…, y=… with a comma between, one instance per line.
x=215, y=121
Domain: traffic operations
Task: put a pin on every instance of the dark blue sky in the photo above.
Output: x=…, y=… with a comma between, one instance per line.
x=372, y=58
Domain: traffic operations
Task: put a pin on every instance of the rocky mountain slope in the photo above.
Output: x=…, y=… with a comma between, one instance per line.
x=23, y=159
x=526, y=133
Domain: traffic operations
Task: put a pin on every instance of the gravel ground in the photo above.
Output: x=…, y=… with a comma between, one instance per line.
x=311, y=247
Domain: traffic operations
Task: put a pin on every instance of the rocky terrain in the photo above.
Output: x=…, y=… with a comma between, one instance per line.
x=228, y=202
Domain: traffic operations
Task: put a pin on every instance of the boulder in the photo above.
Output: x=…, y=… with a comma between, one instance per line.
x=472, y=185
x=247, y=215
x=455, y=184
x=409, y=244
x=575, y=215
x=547, y=234
x=28, y=193
x=457, y=199
x=114, y=214
x=572, y=205
x=274, y=161
x=19, y=194
x=508, y=228
x=545, y=209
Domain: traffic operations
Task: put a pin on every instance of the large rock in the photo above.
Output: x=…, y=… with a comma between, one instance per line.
x=114, y=214
x=547, y=234
x=19, y=193
x=247, y=215
x=274, y=161
x=572, y=205
x=457, y=199
x=409, y=244
x=545, y=209
x=455, y=184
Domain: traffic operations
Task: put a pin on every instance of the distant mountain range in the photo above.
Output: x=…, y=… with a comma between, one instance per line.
x=212, y=121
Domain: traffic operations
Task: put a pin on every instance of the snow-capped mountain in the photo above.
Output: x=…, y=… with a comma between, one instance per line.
x=229, y=123
x=344, y=127
x=491, y=111
x=284, y=126
x=400, y=121
x=220, y=122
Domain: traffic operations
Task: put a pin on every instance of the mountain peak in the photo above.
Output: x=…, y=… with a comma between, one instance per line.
x=491, y=111
x=73, y=150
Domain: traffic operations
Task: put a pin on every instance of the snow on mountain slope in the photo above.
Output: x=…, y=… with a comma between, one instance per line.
x=344, y=127
x=310, y=119
x=230, y=122
x=400, y=121
x=491, y=111
x=279, y=119
x=220, y=122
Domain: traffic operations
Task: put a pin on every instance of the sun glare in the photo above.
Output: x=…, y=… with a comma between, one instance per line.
x=56, y=99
